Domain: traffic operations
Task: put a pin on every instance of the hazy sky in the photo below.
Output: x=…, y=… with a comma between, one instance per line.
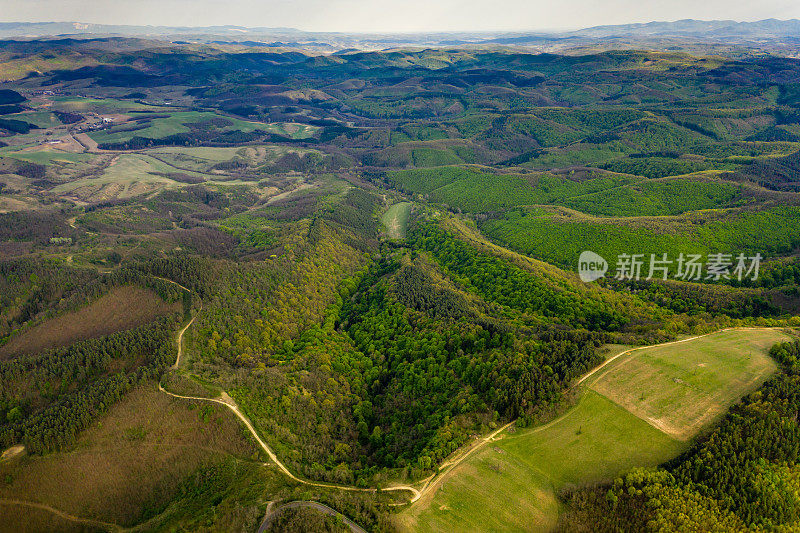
x=392, y=15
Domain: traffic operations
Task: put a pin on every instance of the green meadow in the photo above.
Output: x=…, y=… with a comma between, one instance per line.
x=395, y=220
x=703, y=377
x=157, y=128
x=511, y=483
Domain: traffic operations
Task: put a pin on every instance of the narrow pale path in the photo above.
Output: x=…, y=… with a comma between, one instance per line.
x=229, y=402
x=429, y=483
x=271, y=514
x=180, y=343
x=88, y=521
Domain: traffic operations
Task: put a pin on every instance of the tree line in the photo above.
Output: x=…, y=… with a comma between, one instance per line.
x=742, y=476
x=47, y=399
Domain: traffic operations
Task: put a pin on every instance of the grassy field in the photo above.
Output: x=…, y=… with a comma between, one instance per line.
x=24, y=519
x=511, y=484
x=395, y=219
x=127, y=175
x=702, y=377
x=8, y=204
x=130, y=463
x=122, y=308
x=100, y=105
x=200, y=158
x=291, y=129
x=176, y=122
x=48, y=157
x=203, y=158
x=180, y=122
x=42, y=119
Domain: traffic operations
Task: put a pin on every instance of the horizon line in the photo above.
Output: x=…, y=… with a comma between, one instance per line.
x=542, y=30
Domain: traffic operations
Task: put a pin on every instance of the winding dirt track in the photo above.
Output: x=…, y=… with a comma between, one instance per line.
x=88, y=521
x=271, y=514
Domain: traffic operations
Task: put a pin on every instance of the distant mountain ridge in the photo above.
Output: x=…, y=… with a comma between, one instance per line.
x=777, y=34
x=686, y=27
x=698, y=28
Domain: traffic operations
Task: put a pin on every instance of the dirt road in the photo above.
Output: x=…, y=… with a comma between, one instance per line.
x=355, y=528
x=96, y=523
